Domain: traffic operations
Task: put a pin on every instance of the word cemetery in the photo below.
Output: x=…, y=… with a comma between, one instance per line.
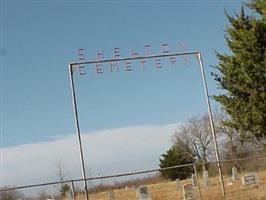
x=117, y=64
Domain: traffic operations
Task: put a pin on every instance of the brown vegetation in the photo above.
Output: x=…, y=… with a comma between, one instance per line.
x=169, y=191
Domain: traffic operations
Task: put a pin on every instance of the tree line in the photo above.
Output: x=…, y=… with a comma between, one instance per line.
x=241, y=78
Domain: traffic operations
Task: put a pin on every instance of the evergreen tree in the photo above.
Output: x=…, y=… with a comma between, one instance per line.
x=178, y=154
x=242, y=73
x=259, y=6
x=65, y=188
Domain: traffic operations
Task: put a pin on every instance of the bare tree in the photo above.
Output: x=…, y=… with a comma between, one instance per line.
x=231, y=138
x=235, y=145
x=62, y=174
x=61, y=171
x=196, y=133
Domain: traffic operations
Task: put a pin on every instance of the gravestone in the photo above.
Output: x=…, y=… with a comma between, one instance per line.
x=250, y=179
x=110, y=195
x=234, y=174
x=205, y=178
x=177, y=183
x=135, y=187
x=52, y=197
x=68, y=195
x=187, y=191
x=194, y=180
x=143, y=193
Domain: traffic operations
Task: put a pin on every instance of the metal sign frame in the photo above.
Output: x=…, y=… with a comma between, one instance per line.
x=76, y=65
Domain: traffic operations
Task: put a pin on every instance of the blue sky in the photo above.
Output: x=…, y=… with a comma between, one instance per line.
x=39, y=39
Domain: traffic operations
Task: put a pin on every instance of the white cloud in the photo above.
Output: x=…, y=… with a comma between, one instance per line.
x=107, y=151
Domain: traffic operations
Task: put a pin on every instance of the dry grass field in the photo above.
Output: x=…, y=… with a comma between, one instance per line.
x=169, y=191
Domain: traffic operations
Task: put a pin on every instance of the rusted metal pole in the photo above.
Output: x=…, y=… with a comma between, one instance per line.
x=197, y=178
x=73, y=190
x=75, y=110
x=211, y=122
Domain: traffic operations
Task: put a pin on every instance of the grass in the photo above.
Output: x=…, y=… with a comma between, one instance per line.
x=169, y=191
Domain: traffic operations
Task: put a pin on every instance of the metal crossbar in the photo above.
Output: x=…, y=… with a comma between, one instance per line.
x=76, y=64
x=129, y=174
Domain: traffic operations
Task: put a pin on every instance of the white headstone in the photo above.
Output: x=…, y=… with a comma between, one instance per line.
x=194, y=180
x=187, y=191
x=110, y=195
x=205, y=178
x=68, y=195
x=143, y=193
x=234, y=174
x=250, y=179
x=177, y=183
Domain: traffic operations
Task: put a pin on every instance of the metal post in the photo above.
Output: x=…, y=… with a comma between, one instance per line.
x=197, y=178
x=74, y=103
x=211, y=122
x=73, y=190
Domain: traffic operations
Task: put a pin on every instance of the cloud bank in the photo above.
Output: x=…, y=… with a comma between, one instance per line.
x=106, y=152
